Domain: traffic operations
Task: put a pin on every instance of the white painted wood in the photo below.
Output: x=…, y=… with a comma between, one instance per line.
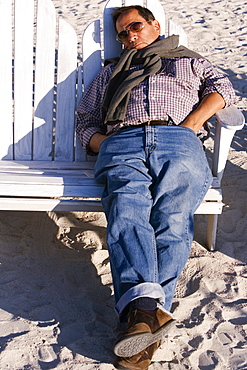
x=6, y=120
x=91, y=53
x=158, y=11
x=44, y=80
x=42, y=187
x=80, y=154
x=212, y=231
x=207, y=208
x=131, y=2
x=229, y=120
x=66, y=92
x=6, y=166
x=176, y=29
x=222, y=142
x=23, y=78
x=112, y=48
x=213, y=195
x=65, y=205
x=49, y=204
x=92, y=64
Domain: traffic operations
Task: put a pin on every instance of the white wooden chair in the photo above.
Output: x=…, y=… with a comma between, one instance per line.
x=43, y=166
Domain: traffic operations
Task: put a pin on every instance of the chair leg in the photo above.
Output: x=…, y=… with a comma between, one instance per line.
x=211, y=232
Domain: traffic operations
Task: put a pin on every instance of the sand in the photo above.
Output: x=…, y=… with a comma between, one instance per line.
x=56, y=296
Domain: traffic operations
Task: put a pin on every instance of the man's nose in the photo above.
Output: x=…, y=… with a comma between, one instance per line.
x=132, y=36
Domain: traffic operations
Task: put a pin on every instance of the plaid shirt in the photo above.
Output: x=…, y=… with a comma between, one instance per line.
x=173, y=93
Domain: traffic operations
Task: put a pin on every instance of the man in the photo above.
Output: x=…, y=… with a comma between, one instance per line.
x=141, y=115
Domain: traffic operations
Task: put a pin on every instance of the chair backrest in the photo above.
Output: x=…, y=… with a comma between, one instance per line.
x=41, y=83
x=38, y=74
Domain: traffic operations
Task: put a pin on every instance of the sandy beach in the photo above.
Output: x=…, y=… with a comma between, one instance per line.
x=56, y=295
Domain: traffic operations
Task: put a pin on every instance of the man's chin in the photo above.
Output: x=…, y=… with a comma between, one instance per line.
x=140, y=45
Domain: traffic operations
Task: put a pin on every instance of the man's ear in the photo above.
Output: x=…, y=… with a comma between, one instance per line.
x=156, y=25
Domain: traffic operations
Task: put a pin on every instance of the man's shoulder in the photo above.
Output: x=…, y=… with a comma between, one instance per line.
x=108, y=68
x=187, y=61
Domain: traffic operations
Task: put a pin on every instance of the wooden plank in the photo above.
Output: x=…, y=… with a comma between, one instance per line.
x=44, y=80
x=131, y=2
x=91, y=52
x=92, y=64
x=76, y=178
x=213, y=195
x=30, y=204
x=112, y=48
x=75, y=186
x=23, y=78
x=38, y=190
x=47, y=179
x=231, y=118
x=158, y=11
x=80, y=154
x=71, y=205
x=176, y=29
x=42, y=165
x=66, y=93
x=6, y=137
x=209, y=208
x=49, y=172
x=77, y=175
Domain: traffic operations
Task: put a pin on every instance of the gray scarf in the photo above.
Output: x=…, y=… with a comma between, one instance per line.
x=122, y=82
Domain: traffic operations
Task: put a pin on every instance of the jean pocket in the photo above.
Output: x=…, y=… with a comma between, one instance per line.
x=187, y=128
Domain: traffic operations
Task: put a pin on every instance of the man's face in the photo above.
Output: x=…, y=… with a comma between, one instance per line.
x=137, y=40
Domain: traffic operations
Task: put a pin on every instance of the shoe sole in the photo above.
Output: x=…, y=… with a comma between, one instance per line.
x=134, y=344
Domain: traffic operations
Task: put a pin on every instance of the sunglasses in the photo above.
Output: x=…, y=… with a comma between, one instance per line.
x=133, y=27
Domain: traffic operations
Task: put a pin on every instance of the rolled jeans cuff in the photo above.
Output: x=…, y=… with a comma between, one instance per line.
x=151, y=290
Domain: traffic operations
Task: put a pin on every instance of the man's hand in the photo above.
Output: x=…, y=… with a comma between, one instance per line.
x=96, y=141
x=209, y=105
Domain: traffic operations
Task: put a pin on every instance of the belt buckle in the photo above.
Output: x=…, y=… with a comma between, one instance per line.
x=149, y=122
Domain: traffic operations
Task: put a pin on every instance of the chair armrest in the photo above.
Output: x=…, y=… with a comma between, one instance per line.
x=229, y=120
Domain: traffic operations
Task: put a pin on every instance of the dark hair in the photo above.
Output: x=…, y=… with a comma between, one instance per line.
x=144, y=12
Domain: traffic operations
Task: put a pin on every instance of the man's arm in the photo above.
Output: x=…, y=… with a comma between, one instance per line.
x=89, y=122
x=209, y=105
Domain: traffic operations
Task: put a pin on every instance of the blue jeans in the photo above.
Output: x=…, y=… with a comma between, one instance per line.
x=155, y=178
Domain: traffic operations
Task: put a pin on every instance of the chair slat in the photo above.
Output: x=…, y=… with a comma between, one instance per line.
x=91, y=52
x=66, y=92
x=131, y=2
x=23, y=78
x=67, y=205
x=6, y=137
x=176, y=29
x=112, y=48
x=159, y=14
x=79, y=151
x=44, y=80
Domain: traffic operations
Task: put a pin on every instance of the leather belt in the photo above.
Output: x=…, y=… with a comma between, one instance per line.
x=169, y=122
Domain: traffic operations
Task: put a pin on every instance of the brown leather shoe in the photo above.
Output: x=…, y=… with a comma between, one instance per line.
x=141, y=361
x=144, y=328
